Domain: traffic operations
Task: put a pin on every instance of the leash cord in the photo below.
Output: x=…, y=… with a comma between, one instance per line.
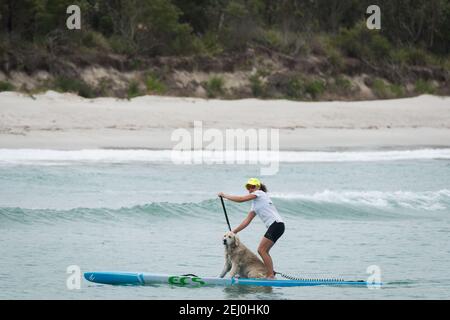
x=289, y=277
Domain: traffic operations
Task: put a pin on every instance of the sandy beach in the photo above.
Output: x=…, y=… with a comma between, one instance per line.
x=68, y=122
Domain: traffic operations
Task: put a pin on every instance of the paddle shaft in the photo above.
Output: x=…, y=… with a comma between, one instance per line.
x=225, y=212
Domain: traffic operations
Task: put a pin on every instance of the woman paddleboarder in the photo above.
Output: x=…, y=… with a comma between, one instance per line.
x=263, y=207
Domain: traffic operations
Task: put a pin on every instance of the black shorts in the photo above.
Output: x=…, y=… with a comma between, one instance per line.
x=275, y=231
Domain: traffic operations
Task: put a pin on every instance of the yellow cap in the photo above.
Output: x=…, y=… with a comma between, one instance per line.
x=253, y=182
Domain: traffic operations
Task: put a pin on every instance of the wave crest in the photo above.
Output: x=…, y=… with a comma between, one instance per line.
x=321, y=205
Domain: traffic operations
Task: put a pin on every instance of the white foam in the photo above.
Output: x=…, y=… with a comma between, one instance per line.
x=426, y=200
x=89, y=155
x=349, y=156
x=39, y=156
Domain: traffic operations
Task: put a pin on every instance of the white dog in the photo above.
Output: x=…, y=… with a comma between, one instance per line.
x=239, y=260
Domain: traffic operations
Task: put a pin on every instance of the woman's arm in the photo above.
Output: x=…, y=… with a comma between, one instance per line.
x=245, y=223
x=245, y=198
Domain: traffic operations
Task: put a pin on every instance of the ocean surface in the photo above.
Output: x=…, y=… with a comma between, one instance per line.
x=135, y=210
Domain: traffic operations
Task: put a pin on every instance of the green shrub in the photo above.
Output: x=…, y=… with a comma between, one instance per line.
x=380, y=88
x=351, y=42
x=315, y=88
x=446, y=64
x=400, y=56
x=104, y=87
x=273, y=39
x=298, y=88
x=214, y=87
x=343, y=84
x=411, y=56
x=161, y=25
x=136, y=63
x=295, y=89
x=6, y=86
x=263, y=73
x=387, y=91
x=362, y=43
x=133, y=90
x=121, y=45
x=257, y=85
x=207, y=44
x=439, y=61
x=92, y=39
x=335, y=58
x=323, y=45
x=418, y=57
x=397, y=90
x=183, y=43
x=154, y=85
x=78, y=86
x=288, y=42
x=238, y=28
x=379, y=47
x=424, y=87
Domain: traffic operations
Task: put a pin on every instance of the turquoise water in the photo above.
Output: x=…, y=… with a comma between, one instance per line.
x=341, y=217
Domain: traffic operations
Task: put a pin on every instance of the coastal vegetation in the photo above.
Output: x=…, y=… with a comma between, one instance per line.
x=293, y=49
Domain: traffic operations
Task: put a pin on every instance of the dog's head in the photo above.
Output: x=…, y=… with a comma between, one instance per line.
x=230, y=239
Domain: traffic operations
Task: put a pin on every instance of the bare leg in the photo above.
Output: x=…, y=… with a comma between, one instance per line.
x=264, y=247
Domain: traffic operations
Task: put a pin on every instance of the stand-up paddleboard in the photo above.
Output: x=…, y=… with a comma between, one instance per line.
x=129, y=278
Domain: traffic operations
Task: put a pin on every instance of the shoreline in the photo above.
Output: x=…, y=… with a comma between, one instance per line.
x=69, y=122
x=305, y=140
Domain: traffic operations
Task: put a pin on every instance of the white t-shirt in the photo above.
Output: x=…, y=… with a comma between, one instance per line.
x=264, y=208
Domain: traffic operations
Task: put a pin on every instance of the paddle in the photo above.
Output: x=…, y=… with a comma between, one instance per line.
x=225, y=212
